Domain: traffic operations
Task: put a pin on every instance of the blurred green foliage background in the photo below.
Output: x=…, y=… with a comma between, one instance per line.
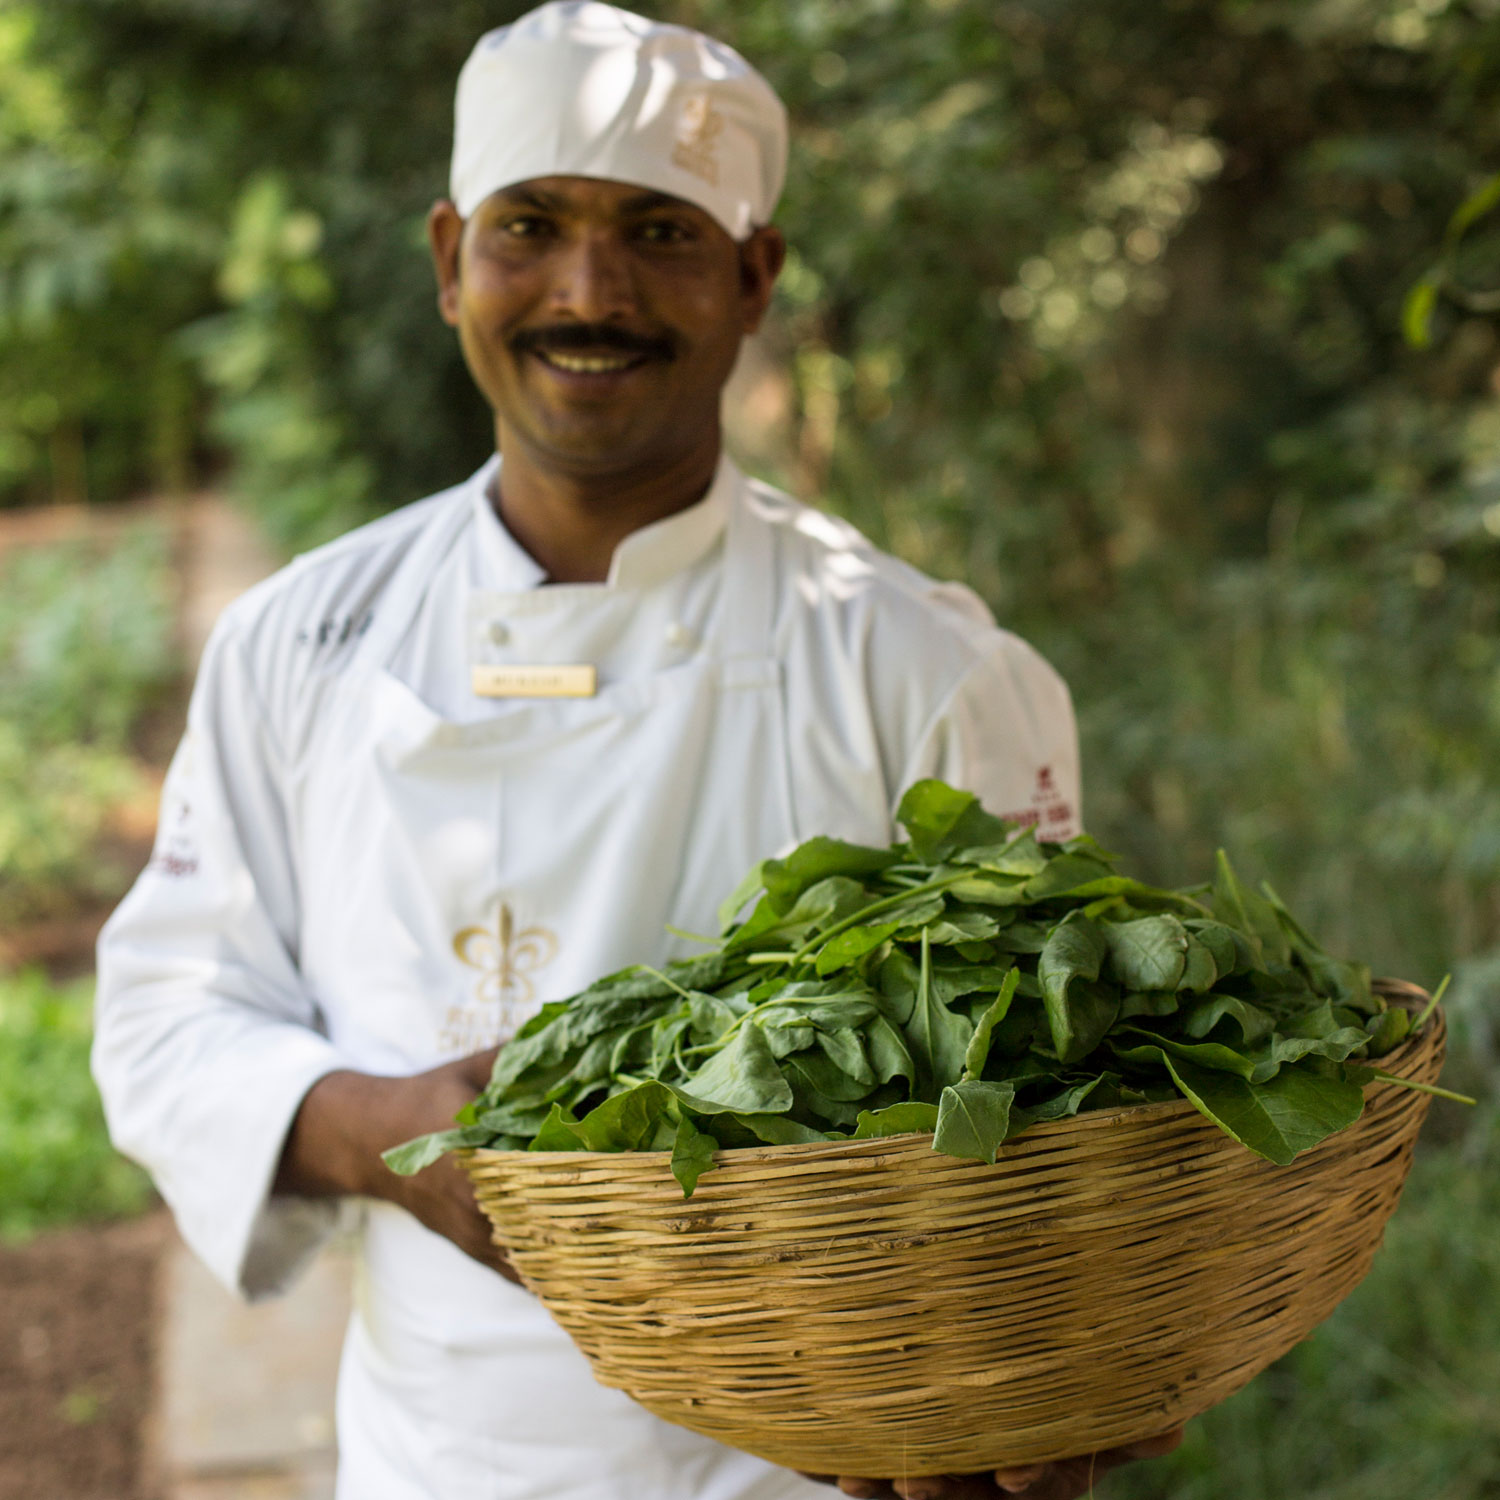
x=1096, y=305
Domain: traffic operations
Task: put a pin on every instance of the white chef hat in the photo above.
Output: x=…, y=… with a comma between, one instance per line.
x=577, y=88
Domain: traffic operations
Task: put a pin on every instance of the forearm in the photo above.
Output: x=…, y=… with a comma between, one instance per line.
x=344, y=1123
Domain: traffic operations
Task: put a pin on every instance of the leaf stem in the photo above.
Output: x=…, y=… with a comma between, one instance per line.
x=876, y=907
x=1432, y=1004
x=667, y=979
x=694, y=937
x=1423, y=1088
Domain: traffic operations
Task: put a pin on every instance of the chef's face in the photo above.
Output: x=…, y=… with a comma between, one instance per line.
x=600, y=320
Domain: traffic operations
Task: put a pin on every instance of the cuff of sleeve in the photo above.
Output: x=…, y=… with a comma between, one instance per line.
x=255, y=1244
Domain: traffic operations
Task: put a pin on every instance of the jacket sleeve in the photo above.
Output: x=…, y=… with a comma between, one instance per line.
x=1007, y=733
x=206, y=1040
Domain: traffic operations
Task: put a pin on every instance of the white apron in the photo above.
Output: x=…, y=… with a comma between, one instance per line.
x=504, y=862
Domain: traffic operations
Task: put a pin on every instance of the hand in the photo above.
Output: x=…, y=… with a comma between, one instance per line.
x=347, y=1119
x=1068, y=1479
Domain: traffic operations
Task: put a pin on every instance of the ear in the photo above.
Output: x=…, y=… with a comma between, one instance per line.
x=445, y=232
x=761, y=259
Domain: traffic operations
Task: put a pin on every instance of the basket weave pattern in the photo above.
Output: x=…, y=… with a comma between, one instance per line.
x=875, y=1308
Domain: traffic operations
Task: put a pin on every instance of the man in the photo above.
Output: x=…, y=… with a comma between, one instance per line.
x=478, y=753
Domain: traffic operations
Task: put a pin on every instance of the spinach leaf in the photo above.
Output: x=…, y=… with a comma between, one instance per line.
x=411, y=1158
x=897, y=1119
x=1149, y=953
x=973, y=1118
x=1278, y=1119
x=692, y=1154
x=786, y=879
x=1079, y=1012
x=743, y=1078
x=978, y=1051
x=939, y=819
x=936, y=1037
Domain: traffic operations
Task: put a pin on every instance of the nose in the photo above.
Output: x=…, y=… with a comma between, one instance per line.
x=593, y=282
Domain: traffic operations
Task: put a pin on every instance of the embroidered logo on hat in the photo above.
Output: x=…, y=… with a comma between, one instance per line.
x=698, y=130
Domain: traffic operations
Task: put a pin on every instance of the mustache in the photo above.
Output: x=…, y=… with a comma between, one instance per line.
x=573, y=338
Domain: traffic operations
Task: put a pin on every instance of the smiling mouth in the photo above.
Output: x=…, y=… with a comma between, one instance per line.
x=589, y=364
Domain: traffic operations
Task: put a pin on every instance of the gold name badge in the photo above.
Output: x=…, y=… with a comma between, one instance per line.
x=535, y=682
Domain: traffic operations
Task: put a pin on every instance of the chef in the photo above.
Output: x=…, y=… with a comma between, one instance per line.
x=474, y=755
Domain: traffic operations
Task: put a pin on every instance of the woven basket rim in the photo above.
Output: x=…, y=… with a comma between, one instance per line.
x=1410, y=996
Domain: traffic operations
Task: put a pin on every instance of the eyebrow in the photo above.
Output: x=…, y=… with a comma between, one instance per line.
x=539, y=198
x=645, y=202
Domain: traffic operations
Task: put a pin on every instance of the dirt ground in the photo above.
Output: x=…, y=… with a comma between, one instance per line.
x=78, y=1315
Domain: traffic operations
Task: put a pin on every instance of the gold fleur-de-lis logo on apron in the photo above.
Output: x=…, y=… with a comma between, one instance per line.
x=507, y=961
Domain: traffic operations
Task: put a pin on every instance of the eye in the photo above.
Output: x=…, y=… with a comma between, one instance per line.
x=665, y=232
x=525, y=226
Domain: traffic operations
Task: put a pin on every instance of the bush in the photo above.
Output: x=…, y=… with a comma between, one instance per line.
x=86, y=651
x=56, y=1163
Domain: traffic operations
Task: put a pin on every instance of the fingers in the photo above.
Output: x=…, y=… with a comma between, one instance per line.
x=865, y=1489
x=945, y=1487
x=1017, y=1481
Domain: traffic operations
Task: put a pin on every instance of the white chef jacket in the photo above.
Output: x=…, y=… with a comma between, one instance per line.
x=363, y=864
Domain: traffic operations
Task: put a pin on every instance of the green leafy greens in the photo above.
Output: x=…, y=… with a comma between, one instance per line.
x=971, y=981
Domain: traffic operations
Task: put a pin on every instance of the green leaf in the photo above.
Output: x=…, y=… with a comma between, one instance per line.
x=1064, y=1104
x=1334, y=1046
x=1387, y=1030
x=743, y=1078
x=1079, y=1012
x=973, y=1118
x=844, y=1048
x=1230, y=954
x=888, y=1053
x=936, y=1037
x=1250, y=912
x=1019, y=856
x=957, y=927
x=692, y=1154
x=1147, y=954
x=1199, y=971
x=1254, y=1023
x=627, y=1121
x=852, y=945
x=1155, y=1003
x=1278, y=1119
x=978, y=1051
x=1072, y=874
x=939, y=819
x=829, y=1078
x=1204, y=1054
x=409, y=1159
x=729, y=909
x=786, y=879
x=559, y=1132
x=777, y=1130
x=896, y=1119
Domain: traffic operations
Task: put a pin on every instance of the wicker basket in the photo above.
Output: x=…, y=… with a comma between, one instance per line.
x=875, y=1308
